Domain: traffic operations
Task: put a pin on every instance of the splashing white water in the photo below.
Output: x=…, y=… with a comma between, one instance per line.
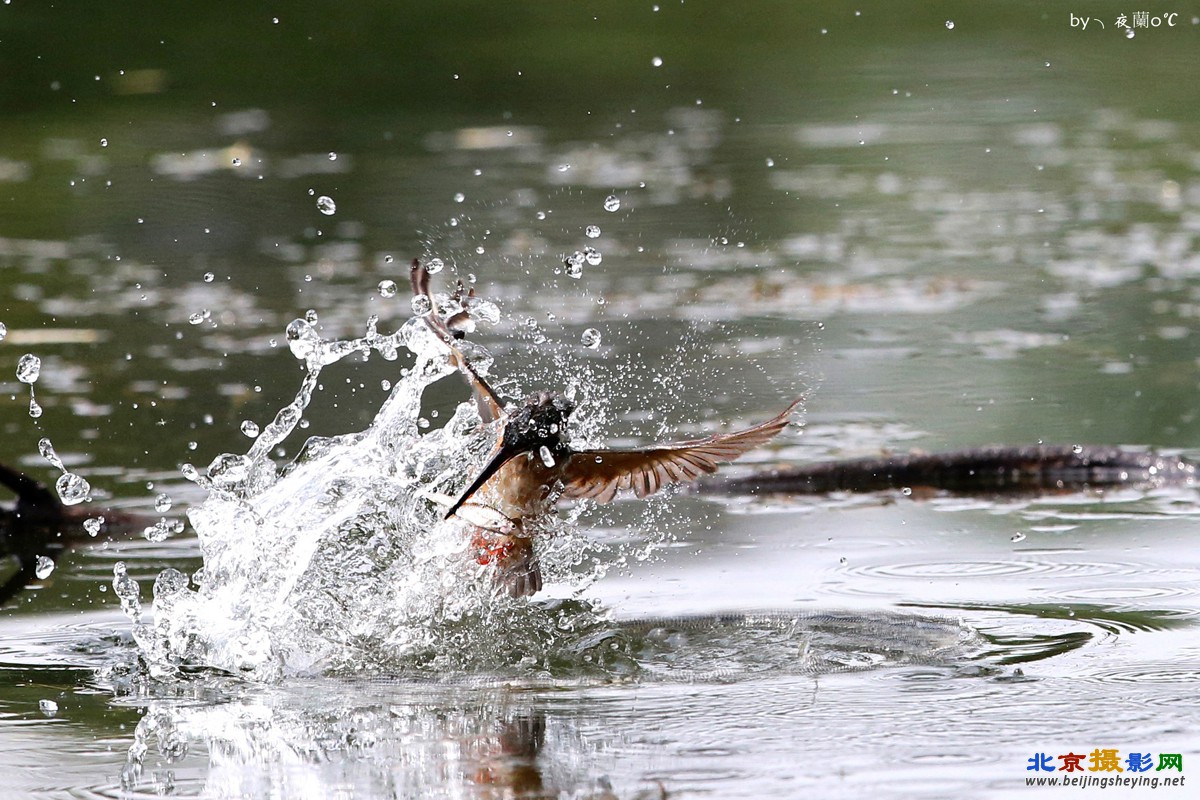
x=341, y=561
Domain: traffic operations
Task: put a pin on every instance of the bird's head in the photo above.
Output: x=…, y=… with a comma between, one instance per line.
x=542, y=421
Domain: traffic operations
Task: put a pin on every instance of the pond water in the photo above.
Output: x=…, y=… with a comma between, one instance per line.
x=944, y=226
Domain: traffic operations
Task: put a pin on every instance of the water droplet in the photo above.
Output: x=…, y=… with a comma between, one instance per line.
x=92, y=525
x=1076, y=449
x=546, y=456
x=162, y=503
x=386, y=385
x=1129, y=34
x=459, y=197
x=3, y=331
x=949, y=24
x=250, y=428
x=388, y=259
x=590, y=338
x=28, y=368
x=564, y=167
x=326, y=205
x=574, y=264
x=310, y=316
x=486, y=311
x=1017, y=537
x=43, y=568
x=125, y=587
x=435, y=266
x=46, y=448
x=592, y=256
x=333, y=156
x=612, y=203
x=48, y=707
x=387, y=289
x=421, y=305
x=237, y=162
x=35, y=410
x=770, y=162
x=209, y=277
x=104, y=142
x=592, y=231
x=656, y=61
x=158, y=532
x=200, y=316
x=72, y=489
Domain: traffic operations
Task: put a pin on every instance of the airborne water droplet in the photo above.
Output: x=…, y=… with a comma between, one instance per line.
x=47, y=451
x=421, y=305
x=546, y=456
x=250, y=428
x=612, y=203
x=35, y=410
x=48, y=707
x=434, y=266
x=162, y=503
x=157, y=532
x=592, y=231
x=3, y=331
x=43, y=568
x=592, y=256
x=590, y=338
x=72, y=489
x=326, y=205
x=949, y=24
x=387, y=289
x=574, y=264
x=29, y=367
x=486, y=311
x=92, y=525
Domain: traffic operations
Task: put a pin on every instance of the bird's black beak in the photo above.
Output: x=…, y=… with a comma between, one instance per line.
x=503, y=454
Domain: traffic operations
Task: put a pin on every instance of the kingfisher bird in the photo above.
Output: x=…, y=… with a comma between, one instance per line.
x=532, y=466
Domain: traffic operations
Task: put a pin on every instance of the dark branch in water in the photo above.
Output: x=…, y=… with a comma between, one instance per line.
x=986, y=470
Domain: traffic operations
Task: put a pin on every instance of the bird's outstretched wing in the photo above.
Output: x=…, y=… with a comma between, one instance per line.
x=600, y=474
x=486, y=400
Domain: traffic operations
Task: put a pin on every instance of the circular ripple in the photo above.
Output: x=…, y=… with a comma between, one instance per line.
x=986, y=569
x=1123, y=593
x=1182, y=675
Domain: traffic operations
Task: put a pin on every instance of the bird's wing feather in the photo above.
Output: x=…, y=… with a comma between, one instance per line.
x=600, y=474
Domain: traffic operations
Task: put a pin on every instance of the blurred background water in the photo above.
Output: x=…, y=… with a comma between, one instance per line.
x=953, y=224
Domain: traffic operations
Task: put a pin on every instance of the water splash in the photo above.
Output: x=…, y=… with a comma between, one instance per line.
x=341, y=560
